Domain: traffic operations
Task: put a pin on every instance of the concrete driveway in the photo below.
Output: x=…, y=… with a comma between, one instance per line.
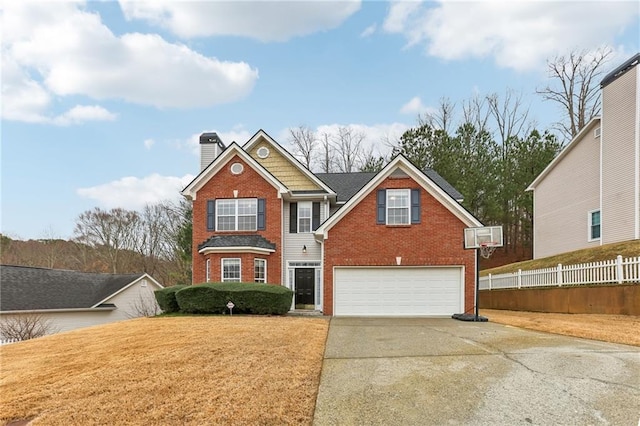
x=422, y=371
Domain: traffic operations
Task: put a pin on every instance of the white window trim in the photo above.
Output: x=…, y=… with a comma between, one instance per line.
x=590, y=225
x=236, y=215
x=408, y=208
x=308, y=204
x=207, y=270
x=265, y=269
x=222, y=270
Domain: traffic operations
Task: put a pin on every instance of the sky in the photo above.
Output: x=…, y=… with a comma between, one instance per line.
x=103, y=102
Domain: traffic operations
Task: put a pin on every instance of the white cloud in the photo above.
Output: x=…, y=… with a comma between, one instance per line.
x=518, y=35
x=133, y=193
x=261, y=20
x=58, y=49
x=369, y=31
x=81, y=113
x=148, y=143
x=415, y=106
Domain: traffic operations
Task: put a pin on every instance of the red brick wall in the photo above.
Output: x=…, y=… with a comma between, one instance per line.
x=249, y=185
x=356, y=240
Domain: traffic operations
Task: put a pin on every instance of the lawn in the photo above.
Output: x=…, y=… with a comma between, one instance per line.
x=593, y=254
x=168, y=370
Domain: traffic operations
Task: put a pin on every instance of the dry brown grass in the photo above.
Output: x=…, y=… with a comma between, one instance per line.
x=623, y=329
x=594, y=254
x=171, y=370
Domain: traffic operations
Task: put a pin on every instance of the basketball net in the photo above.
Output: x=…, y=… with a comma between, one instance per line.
x=486, y=250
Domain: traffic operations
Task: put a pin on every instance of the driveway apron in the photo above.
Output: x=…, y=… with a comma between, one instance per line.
x=427, y=371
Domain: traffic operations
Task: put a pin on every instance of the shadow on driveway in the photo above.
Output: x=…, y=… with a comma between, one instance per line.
x=421, y=371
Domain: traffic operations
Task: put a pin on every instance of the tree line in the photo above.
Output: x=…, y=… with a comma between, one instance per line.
x=155, y=240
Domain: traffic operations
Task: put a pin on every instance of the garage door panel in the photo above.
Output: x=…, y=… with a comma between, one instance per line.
x=398, y=291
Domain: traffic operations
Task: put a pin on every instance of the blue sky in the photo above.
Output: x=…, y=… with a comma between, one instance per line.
x=102, y=102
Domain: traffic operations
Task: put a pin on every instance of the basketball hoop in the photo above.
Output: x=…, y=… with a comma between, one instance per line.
x=487, y=249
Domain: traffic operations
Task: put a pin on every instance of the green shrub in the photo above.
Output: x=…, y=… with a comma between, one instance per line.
x=248, y=298
x=166, y=298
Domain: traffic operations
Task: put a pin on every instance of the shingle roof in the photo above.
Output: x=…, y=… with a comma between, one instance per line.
x=347, y=185
x=28, y=288
x=257, y=241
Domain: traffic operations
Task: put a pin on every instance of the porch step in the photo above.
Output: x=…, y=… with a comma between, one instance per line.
x=305, y=313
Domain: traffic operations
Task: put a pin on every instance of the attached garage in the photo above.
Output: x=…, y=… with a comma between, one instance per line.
x=398, y=291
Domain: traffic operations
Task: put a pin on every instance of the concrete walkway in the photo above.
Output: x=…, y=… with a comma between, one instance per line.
x=445, y=372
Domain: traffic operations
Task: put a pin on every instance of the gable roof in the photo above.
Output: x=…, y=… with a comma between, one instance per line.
x=621, y=69
x=347, y=185
x=27, y=288
x=214, y=167
x=574, y=142
x=261, y=134
x=402, y=163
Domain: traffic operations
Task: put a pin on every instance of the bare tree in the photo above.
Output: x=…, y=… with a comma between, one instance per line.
x=511, y=118
x=574, y=87
x=304, y=143
x=442, y=118
x=349, y=148
x=25, y=327
x=111, y=232
x=52, y=249
x=476, y=112
x=328, y=160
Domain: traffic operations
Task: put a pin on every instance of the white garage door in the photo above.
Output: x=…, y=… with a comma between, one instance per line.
x=398, y=291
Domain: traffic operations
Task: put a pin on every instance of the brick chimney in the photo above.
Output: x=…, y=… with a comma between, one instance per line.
x=210, y=147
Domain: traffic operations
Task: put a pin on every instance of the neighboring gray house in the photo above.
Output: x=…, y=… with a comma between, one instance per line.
x=589, y=195
x=72, y=299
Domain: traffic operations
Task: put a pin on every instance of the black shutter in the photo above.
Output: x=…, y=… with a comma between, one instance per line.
x=382, y=206
x=293, y=218
x=261, y=214
x=315, y=216
x=415, y=206
x=211, y=215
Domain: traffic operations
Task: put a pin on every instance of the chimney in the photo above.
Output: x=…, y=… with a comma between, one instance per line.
x=210, y=147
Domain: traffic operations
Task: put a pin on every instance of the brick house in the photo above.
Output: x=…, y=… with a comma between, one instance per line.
x=387, y=243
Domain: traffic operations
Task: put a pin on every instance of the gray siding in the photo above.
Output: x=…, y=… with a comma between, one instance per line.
x=293, y=243
x=564, y=197
x=619, y=158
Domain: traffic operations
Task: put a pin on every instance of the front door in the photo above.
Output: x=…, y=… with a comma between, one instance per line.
x=304, y=288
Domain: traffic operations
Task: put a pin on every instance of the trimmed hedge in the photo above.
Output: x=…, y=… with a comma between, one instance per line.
x=248, y=298
x=166, y=298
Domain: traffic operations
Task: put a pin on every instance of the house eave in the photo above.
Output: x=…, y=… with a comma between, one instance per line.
x=586, y=129
x=59, y=310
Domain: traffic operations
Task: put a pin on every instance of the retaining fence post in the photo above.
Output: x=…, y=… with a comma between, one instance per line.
x=619, y=270
x=489, y=281
x=519, y=278
x=559, y=275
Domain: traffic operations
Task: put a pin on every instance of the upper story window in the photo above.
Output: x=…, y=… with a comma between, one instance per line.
x=594, y=225
x=236, y=214
x=304, y=216
x=239, y=214
x=397, y=206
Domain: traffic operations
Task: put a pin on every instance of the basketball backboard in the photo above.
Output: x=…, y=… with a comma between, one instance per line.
x=486, y=236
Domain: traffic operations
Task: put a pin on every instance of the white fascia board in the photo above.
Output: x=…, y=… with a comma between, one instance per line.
x=419, y=177
x=144, y=276
x=217, y=164
x=261, y=133
x=237, y=249
x=563, y=153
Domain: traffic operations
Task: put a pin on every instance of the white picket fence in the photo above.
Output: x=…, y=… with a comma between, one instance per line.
x=617, y=271
x=7, y=341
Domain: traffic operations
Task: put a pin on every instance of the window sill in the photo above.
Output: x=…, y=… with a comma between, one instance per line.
x=398, y=226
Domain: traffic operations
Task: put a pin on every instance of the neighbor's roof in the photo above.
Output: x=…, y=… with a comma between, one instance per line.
x=347, y=185
x=24, y=288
